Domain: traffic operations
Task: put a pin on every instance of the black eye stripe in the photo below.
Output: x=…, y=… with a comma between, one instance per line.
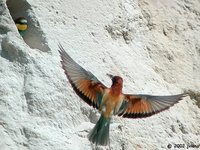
x=21, y=23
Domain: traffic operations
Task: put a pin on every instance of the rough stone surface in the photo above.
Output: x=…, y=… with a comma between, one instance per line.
x=153, y=44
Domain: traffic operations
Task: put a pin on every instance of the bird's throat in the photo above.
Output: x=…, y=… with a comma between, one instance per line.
x=116, y=89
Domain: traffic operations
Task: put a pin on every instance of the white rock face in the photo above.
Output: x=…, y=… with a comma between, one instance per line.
x=154, y=45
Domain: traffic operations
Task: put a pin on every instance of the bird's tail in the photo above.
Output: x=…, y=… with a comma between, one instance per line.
x=100, y=133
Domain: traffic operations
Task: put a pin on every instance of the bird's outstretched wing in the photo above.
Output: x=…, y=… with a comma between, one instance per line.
x=140, y=106
x=84, y=83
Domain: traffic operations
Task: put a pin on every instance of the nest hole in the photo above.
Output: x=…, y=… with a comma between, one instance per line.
x=34, y=35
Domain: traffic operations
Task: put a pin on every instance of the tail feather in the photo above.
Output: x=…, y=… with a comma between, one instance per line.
x=100, y=133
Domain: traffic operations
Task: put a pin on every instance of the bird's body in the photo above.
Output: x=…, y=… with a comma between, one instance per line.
x=110, y=105
x=111, y=101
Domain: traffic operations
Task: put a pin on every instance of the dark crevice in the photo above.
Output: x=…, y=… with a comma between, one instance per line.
x=34, y=35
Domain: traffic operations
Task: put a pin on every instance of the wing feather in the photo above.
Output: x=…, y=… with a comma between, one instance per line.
x=84, y=83
x=140, y=106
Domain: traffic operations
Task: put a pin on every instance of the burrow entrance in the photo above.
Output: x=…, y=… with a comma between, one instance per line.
x=34, y=35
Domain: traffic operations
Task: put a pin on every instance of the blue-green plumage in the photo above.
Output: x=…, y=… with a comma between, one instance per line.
x=122, y=108
x=99, y=99
x=22, y=32
x=100, y=133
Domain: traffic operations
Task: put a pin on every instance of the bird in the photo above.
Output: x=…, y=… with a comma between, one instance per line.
x=22, y=25
x=111, y=100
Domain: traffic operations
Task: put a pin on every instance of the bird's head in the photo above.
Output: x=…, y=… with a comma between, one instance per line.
x=116, y=80
x=22, y=25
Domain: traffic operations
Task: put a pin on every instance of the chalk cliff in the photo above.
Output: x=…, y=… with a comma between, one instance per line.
x=153, y=44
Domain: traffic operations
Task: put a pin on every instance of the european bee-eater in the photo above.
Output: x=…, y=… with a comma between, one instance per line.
x=22, y=25
x=111, y=101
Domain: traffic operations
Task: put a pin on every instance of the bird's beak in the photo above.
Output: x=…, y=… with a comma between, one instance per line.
x=110, y=75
